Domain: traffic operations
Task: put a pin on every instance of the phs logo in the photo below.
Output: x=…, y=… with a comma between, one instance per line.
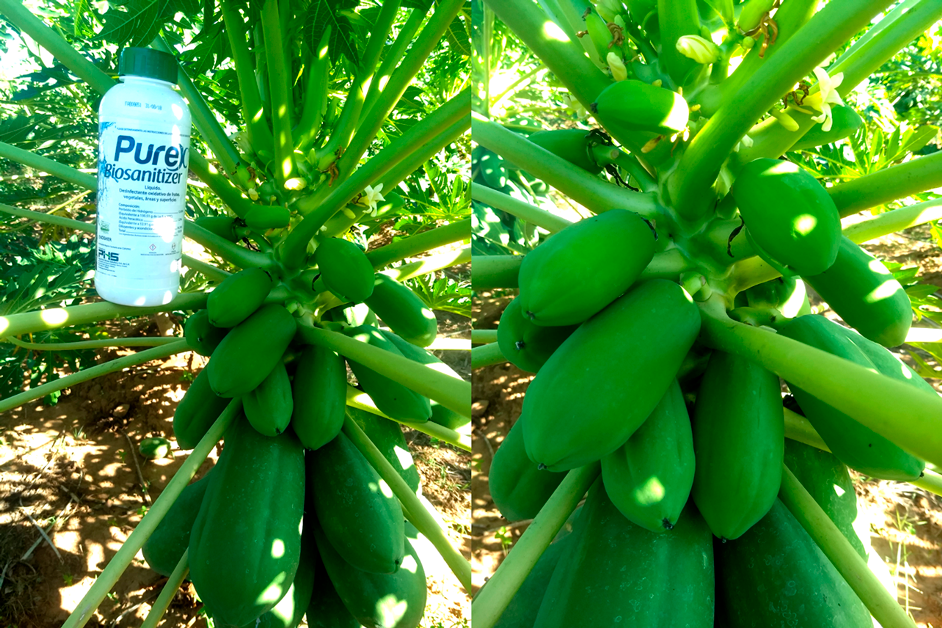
x=108, y=256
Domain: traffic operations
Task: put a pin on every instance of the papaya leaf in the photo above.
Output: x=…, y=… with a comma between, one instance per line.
x=320, y=14
x=135, y=22
x=443, y=294
x=459, y=37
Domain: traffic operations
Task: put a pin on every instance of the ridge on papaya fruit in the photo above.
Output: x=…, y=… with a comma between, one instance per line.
x=730, y=130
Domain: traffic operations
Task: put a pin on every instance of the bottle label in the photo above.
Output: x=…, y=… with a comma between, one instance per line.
x=142, y=171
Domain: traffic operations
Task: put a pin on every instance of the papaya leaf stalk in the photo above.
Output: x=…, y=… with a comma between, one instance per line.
x=112, y=366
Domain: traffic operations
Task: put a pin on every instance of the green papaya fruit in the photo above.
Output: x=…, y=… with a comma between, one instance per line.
x=787, y=295
x=632, y=106
x=391, y=442
x=223, y=226
x=420, y=355
x=649, y=477
x=518, y=487
x=355, y=315
x=154, y=448
x=525, y=604
x=345, y=269
x=440, y=414
x=854, y=444
x=202, y=335
x=584, y=267
x=884, y=360
x=573, y=145
x=391, y=204
x=844, y=123
x=197, y=411
x=827, y=480
x=866, y=295
x=775, y=576
x=738, y=437
x=326, y=609
x=358, y=512
x=289, y=612
x=752, y=13
x=402, y=311
x=446, y=417
x=616, y=573
x=266, y=190
x=378, y=600
x=320, y=396
x=392, y=398
x=238, y=296
x=249, y=352
x=245, y=546
x=166, y=544
x=526, y=345
x=268, y=408
x=656, y=324
x=790, y=219
x=265, y=217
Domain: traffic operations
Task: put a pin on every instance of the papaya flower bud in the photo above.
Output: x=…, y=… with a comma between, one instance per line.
x=701, y=50
x=617, y=66
x=785, y=120
x=296, y=183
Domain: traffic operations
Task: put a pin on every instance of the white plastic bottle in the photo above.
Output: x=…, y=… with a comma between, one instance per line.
x=143, y=155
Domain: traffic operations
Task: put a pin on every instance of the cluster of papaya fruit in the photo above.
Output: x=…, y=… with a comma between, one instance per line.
x=293, y=519
x=691, y=441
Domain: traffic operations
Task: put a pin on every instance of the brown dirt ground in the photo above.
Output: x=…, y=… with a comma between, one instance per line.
x=905, y=522
x=71, y=494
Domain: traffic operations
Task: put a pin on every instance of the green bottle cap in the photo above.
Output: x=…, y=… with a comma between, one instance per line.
x=148, y=63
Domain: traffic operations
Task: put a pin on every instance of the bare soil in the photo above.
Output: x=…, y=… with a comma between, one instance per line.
x=905, y=522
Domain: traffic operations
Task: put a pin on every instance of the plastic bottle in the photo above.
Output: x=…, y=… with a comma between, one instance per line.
x=143, y=155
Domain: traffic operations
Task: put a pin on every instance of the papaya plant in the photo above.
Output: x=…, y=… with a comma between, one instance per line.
x=308, y=117
x=662, y=326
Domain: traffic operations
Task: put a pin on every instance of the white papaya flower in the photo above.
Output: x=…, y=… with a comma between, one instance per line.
x=371, y=197
x=825, y=97
x=701, y=50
